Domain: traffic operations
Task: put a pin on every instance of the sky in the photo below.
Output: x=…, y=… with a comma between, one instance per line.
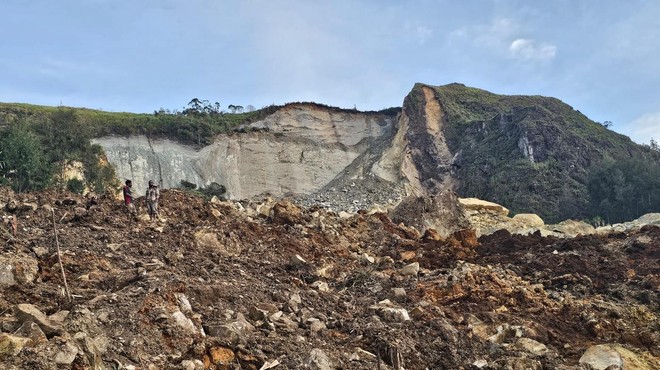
x=602, y=57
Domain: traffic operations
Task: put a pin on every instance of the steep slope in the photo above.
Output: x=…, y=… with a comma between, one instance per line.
x=298, y=149
x=530, y=153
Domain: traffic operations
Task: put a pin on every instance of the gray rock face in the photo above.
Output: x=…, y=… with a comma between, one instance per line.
x=310, y=147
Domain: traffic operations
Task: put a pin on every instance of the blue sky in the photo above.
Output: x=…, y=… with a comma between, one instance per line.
x=600, y=56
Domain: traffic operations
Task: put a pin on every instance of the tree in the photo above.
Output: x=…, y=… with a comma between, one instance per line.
x=607, y=124
x=25, y=166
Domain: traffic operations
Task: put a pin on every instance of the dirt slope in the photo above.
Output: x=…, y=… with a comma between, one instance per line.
x=223, y=286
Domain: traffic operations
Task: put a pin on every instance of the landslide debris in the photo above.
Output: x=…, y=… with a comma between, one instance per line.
x=259, y=285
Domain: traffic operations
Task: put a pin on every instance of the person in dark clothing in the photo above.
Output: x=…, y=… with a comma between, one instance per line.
x=128, y=200
x=152, y=197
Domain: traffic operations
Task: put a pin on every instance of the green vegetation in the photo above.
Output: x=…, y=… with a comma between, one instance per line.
x=491, y=133
x=23, y=163
x=623, y=190
x=37, y=148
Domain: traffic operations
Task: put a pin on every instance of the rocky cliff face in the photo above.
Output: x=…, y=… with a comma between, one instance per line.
x=298, y=149
x=529, y=153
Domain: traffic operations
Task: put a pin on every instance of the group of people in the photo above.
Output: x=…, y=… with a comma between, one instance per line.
x=151, y=197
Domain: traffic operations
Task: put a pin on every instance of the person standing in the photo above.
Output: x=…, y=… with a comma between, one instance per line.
x=152, y=197
x=128, y=200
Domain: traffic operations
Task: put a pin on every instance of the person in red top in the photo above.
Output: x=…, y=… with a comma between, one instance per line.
x=128, y=200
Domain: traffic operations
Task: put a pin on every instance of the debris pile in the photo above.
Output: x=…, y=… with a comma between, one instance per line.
x=276, y=285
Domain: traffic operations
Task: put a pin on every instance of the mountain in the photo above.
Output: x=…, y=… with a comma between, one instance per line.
x=531, y=154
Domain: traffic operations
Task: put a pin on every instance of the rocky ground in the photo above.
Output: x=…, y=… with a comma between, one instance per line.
x=227, y=285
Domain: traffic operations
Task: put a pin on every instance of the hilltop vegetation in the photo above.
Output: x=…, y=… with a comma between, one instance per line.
x=537, y=154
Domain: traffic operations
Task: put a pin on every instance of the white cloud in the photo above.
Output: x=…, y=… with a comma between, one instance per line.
x=423, y=34
x=646, y=127
x=494, y=35
x=529, y=49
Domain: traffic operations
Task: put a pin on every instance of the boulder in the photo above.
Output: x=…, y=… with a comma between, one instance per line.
x=287, y=213
x=573, y=228
x=528, y=220
x=474, y=204
x=27, y=312
x=602, y=356
x=440, y=212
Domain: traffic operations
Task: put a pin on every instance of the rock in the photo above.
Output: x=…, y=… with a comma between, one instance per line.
x=234, y=332
x=573, y=228
x=528, y=220
x=183, y=322
x=532, y=346
x=440, y=212
x=344, y=215
x=386, y=310
x=649, y=219
x=40, y=252
x=467, y=238
x=192, y=365
x=184, y=304
x=287, y=213
x=11, y=345
x=321, y=286
x=326, y=271
x=114, y=246
x=27, y=312
x=361, y=355
x=318, y=360
x=6, y=273
x=316, y=325
x=506, y=333
x=297, y=262
x=399, y=292
x=602, y=356
x=482, y=205
x=33, y=332
x=367, y=258
x=480, y=364
x=67, y=354
x=411, y=269
x=221, y=356
x=431, y=234
x=19, y=269
x=257, y=314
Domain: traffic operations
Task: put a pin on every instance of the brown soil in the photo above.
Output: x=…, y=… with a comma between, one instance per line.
x=127, y=279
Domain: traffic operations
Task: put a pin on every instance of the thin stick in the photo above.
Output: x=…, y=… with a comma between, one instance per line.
x=59, y=258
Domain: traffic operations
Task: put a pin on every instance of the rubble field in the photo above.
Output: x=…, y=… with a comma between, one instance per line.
x=272, y=285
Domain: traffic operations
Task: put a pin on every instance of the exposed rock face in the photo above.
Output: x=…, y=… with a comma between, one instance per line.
x=305, y=148
x=529, y=153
